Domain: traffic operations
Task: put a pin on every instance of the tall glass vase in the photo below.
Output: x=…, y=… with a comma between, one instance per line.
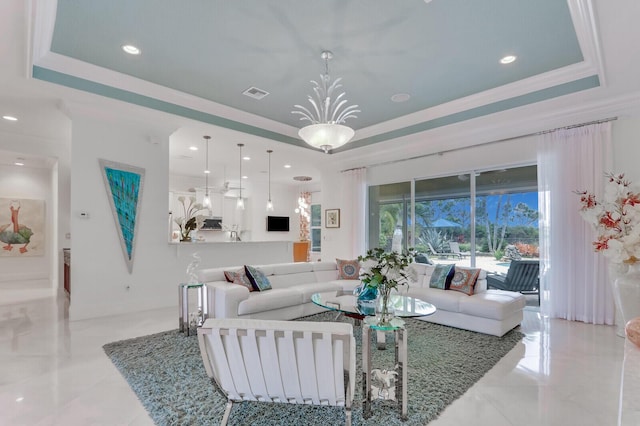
x=616, y=270
x=384, y=311
x=627, y=292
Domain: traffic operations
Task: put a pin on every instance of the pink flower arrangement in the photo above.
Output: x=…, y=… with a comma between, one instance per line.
x=616, y=219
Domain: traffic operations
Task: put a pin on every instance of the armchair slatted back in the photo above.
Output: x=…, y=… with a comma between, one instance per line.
x=523, y=275
x=296, y=362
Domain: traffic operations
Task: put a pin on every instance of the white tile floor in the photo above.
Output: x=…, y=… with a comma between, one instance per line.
x=54, y=372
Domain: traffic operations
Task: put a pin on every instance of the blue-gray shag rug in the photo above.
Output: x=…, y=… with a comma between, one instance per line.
x=165, y=371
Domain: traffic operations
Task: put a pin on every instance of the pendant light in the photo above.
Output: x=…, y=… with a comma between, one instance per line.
x=240, y=203
x=269, y=203
x=327, y=130
x=206, y=202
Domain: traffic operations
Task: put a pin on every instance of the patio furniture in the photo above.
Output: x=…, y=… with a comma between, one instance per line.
x=296, y=362
x=522, y=276
x=443, y=254
x=455, y=248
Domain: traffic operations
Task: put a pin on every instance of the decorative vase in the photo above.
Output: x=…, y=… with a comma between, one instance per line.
x=366, y=298
x=616, y=270
x=185, y=239
x=384, y=312
x=627, y=293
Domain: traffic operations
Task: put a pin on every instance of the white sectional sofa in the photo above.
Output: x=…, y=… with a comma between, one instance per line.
x=486, y=311
x=290, y=297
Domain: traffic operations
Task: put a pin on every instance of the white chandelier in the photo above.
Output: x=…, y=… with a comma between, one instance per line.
x=326, y=131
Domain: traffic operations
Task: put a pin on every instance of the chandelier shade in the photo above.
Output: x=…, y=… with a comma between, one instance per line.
x=327, y=130
x=326, y=136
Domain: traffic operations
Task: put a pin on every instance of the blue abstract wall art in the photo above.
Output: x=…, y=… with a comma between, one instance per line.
x=124, y=185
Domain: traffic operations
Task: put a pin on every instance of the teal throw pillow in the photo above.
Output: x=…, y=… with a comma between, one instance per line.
x=259, y=281
x=440, y=277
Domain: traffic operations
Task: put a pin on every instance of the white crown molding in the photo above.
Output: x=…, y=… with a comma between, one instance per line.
x=584, y=23
x=42, y=19
x=523, y=121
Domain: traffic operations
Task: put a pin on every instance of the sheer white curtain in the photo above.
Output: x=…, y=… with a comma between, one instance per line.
x=574, y=278
x=355, y=193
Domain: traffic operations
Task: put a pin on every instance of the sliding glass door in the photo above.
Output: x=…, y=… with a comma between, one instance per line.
x=483, y=218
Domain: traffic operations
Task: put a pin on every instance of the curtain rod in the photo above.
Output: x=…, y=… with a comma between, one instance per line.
x=542, y=132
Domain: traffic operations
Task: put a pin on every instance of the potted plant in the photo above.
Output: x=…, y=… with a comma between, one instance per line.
x=190, y=221
x=384, y=272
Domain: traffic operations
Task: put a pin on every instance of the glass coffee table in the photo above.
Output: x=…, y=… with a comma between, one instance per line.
x=391, y=383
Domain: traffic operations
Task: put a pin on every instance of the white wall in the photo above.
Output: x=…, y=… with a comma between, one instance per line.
x=626, y=148
x=101, y=284
x=28, y=183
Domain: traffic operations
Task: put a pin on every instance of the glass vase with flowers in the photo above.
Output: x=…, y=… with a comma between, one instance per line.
x=384, y=272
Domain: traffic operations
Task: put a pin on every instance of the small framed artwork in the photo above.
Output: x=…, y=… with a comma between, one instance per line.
x=332, y=218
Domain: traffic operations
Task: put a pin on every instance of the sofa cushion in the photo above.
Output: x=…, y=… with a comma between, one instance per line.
x=269, y=300
x=259, y=280
x=481, y=282
x=288, y=280
x=348, y=269
x=441, y=299
x=493, y=304
x=464, y=279
x=308, y=289
x=420, y=274
x=324, y=266
x=213, y=274
x=291, y=268
x=440, y=276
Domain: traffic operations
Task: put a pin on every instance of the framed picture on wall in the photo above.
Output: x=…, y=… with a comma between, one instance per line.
x=332, y=218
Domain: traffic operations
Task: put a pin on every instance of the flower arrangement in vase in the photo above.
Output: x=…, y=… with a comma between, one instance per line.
x=616, y=218
x=384, y=272
x=190, y=221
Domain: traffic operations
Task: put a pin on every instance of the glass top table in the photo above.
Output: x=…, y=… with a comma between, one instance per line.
x=347, y=303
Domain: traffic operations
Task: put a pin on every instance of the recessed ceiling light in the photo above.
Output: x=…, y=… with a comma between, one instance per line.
x=246, y=158
x=20, y=399
x=131, y=49
x=19, y=162
x=193, y=148
x=207, y=171
x=9, y=118
x=287, y=166
x=508, y=59
x=400, y=97
x=245, y=177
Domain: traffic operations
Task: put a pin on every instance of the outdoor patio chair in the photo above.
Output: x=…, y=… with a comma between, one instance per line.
x=443, y=254
x=295, y=362
x=455, y=248
x=522, y=276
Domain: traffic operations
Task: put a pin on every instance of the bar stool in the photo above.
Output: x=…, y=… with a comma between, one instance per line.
x=183, y=305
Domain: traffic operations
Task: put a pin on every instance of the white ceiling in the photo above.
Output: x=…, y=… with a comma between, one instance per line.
x=607, y=34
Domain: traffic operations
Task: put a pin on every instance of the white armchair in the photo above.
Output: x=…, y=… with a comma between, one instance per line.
x=296, y=362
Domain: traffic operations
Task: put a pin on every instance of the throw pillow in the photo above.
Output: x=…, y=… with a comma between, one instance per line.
x=441, y=276
x=464, y=279
x=230, y=275
x=259, y=280
x=348, y=269
x=239, y=277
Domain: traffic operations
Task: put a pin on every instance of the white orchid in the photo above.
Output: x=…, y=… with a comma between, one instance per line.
x=616, y=218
